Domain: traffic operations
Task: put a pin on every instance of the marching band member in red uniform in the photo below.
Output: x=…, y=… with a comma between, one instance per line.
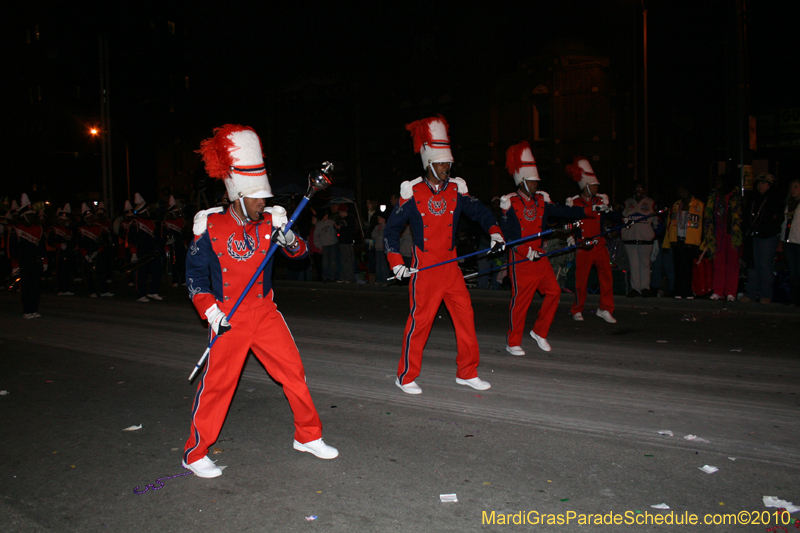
x=91, y=243
x=525, y=213
x=432, y=206
x=60, y=237
x=227, y=249
x=172, y=234
x=596, y=208
x=144, y=240
x=28, y=256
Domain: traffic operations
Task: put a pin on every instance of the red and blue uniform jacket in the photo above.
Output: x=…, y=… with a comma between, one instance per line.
x=26, y=246
x=433, y=217
x=224, y=255
x=523, y=216
x=595, y=221
x=91, y=239
x=144, y=236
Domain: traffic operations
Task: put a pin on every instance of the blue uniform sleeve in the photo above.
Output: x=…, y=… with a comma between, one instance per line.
x=478, y=212
x=202, y=266
x=398, y=218
x=509, y=224
x=556, y=210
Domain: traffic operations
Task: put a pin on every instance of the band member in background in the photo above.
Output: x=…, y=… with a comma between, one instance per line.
x=431, y=205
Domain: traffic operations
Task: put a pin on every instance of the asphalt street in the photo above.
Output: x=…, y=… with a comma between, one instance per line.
x=573, y=434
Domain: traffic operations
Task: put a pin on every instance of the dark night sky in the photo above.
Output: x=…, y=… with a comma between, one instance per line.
x=241, y=57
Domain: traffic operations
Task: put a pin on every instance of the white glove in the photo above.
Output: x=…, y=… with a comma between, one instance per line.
x=63, y=246
x=44, y=267
x=217, y=320
x=285, y=239
x=134, y=258
x=533, y=255
x=401, y=272
x=90, y=258
x=601, y=208
x=170, y=240
x=498, y=244
x=570, y=241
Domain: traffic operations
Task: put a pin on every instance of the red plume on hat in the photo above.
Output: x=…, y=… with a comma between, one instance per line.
x=216, y=151
x=582, y=173
x=574, y=171
x=514, y=156
x=421, y=131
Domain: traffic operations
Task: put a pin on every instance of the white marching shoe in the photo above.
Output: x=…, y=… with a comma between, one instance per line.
x=475, y=383
x=541, y=341
x=515, y=350
x=318, y=448
x=605, y=315
x=204, y=467
x=408, y=388
x=577, y=317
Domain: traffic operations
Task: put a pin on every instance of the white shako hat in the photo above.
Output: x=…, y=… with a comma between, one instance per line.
x=521, y=164
x=65, y=211
x=25, y=205
x=139, y=202
x=127, y=207
x=172, y=204
x=581, y=172
x=431, y=140
x=86, y=210
x=234, y=154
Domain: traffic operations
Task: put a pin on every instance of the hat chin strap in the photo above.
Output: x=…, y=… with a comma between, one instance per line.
x=244, y=210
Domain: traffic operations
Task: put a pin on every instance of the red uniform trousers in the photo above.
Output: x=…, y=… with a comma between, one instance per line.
x=526, y=278
x=426, y=291
x=584, y=259
x=726, y=266
x=263, y=330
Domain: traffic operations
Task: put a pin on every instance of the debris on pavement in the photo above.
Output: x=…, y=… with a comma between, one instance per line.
x=133, y=428
x=662, y=342
x=160, y=483
x=774, y=501
x=688, y=318
x=311, y=518
x=695, y=438
x=737, y=350
x=660, y=506
x=666, y=432
x=448, y=498
x=732, y=458
x=708, y=469
x=3, y=392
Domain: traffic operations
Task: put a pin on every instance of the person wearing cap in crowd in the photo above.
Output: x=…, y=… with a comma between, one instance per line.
x=228, y=247
x=61, y=238
x=27, y=251
x=173, y=230
x=525, y=213
x=144, y=241
x=638, y=239
x=595, y=253
x=432, y=205
x=761, y=240
x=91, y=242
